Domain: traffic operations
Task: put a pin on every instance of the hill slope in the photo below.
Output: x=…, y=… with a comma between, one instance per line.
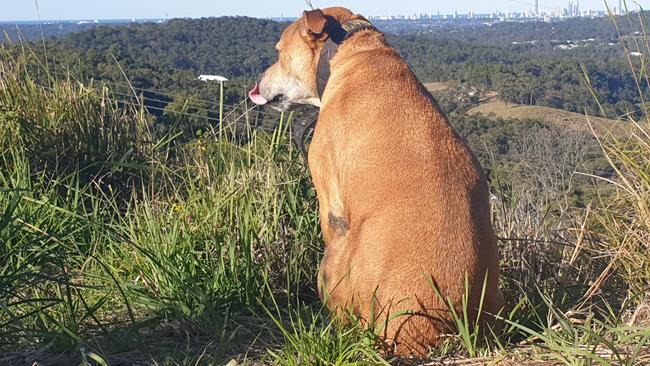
x=571, y=120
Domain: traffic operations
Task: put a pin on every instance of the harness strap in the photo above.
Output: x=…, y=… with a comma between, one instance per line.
x=306, y=122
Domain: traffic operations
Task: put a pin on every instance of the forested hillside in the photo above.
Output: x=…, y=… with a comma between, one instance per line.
x=533, y=63
x=170, y=56
x=534, y=74
x=231, y=46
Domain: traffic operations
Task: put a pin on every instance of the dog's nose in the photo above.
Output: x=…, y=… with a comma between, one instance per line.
x=255, y=95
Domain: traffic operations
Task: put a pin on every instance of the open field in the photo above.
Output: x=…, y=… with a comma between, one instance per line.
x=440, y=86
x=569, y=120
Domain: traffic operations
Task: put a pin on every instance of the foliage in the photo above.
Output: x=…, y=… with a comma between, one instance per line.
x=524, y=63
x=311, y=338
x=625, y=219
x=160, y=244
x=66, y=128
x=203, y=226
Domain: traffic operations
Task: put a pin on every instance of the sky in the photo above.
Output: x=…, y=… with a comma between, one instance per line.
x=127, y=9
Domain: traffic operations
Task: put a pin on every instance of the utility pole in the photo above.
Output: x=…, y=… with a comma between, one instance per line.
x=221, y=80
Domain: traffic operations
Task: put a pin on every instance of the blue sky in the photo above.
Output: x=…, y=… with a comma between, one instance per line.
x=124, y=9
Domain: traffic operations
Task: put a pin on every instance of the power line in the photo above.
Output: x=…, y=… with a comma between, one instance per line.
x=150, y=90
x=234, y=109
x=206, y=118
x=172, y=97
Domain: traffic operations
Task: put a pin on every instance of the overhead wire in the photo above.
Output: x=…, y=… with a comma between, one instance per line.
x=233, y=110
x=236, y=122
x=172, y=97
x=149, y=90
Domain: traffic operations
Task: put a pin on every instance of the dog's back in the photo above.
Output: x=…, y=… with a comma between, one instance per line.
x=403, y=202
x=406, y=202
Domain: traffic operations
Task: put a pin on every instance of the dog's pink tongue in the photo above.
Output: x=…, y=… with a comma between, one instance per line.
x=256, y=97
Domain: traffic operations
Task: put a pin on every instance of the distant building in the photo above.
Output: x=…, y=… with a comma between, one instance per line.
x=531, y=14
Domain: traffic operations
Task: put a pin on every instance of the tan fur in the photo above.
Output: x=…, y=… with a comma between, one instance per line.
x=403, y=201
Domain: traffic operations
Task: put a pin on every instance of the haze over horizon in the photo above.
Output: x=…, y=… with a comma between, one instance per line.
x=127, y=9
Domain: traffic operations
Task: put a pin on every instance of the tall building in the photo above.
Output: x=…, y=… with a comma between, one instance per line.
x=574, y=8
x=537, y=7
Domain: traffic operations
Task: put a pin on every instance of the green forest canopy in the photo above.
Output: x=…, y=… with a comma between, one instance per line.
x=527, y=63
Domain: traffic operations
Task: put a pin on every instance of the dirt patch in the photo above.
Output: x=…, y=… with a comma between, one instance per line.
x=439, y=86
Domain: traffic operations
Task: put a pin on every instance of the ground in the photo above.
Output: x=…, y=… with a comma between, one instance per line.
x=500, y=109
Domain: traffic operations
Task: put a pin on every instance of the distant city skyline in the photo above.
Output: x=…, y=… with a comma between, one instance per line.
x=126, y=9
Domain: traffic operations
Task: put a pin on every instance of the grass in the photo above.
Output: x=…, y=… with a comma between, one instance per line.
x=186, y=231
x=310, y=337
x=122, y=245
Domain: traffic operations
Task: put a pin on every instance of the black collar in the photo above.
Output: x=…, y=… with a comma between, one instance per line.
x=338, y=33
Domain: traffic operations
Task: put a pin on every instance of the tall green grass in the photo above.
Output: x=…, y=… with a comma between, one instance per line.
x=105, y=224
x=117, y=239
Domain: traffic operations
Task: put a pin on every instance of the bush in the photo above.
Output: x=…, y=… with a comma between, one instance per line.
x=65, y=127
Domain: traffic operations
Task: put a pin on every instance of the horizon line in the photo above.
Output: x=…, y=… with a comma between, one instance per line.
x=281, y=16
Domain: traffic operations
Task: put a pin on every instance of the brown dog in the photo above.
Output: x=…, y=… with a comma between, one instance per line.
x=403, y=201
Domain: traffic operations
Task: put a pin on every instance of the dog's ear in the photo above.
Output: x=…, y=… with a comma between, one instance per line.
x=315, y=21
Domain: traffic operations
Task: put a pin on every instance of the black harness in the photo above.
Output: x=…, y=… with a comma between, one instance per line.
x=338, y=33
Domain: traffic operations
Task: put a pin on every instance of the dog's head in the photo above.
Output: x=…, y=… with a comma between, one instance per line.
x=292, y=79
